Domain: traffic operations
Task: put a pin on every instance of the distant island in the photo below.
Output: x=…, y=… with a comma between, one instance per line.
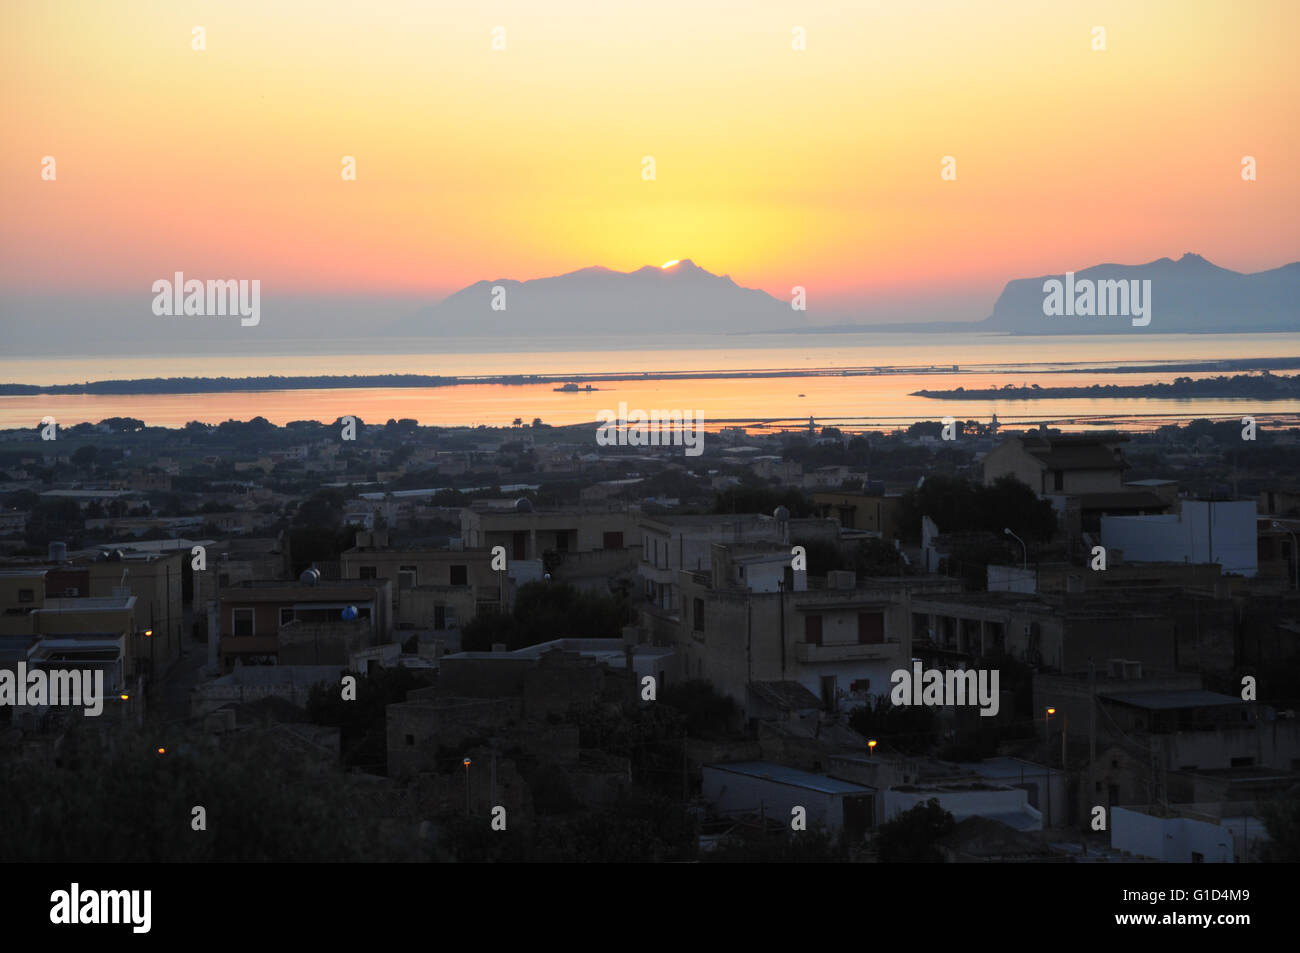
x=1263, y=386
x=1251, y=386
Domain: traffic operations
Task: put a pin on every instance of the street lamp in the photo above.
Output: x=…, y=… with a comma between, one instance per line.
x=1025, y=564
x=467, y=763
x=1047, y=779
x=1295, y=550
x=872, y=745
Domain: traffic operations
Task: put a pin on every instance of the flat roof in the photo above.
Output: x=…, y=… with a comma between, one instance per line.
x=781, y=774
x=1170, y=700
x=87, y=604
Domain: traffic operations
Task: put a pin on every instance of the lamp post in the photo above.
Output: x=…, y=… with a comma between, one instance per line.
x=1025, y=563
x=1047, y=776
x=466, y=762
x=1295, y=550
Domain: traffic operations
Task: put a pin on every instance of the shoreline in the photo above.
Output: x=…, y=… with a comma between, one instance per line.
x=230, y=385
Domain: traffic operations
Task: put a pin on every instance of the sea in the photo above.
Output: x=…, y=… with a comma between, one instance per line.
x=895, y=364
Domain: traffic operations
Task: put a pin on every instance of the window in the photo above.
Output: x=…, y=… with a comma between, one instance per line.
x=406, y=576
x=439, y=617
x=286, y=616
x=459, y=575
x=697, y=619
x=612, y=541
x=871, y=628
x=243, y=621
x=368, y=572
x=812, y=629
x=1242, y=762
x=410, y=740
x=1197, y=857
x=1058, y=479
x=223, y=579
x=26, y=595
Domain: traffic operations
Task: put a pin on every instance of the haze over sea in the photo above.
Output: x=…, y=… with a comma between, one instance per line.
x=983, y=360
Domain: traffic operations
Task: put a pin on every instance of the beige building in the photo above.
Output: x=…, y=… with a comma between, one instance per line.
x=528, y=533
x=839, y=639
x=1060, y=464
x=438, y=589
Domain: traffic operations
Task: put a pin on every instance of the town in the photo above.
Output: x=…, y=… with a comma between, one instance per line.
x=318, y=642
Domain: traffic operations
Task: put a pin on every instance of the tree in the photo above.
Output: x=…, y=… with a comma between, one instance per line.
x=84, y=456
x=1282, y=819
x=805, y=847
x=910, y=837
x=548, y=610
x=907, y=728
x=262, y=804
x=362, y=722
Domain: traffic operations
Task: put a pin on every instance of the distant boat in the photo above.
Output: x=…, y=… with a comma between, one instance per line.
x=802, y=395
x=572, y=388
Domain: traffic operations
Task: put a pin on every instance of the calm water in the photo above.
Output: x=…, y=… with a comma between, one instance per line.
x=984, y=361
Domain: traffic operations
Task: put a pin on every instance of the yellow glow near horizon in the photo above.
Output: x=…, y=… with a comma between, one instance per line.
x=780, y=158
x=669, y=264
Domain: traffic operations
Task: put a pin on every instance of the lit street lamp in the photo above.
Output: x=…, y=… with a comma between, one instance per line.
x=466, y=762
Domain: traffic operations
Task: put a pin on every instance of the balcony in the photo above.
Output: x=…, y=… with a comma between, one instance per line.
x=809, y=653
x=249, y=644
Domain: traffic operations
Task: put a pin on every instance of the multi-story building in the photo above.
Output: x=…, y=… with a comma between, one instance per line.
x=673, y=544
x=433, y=589
x=348, y=614
x=739, y=624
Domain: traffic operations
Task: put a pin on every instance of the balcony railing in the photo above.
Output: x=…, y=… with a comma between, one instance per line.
x=810, y=653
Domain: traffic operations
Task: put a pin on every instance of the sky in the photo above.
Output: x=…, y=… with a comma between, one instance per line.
x=817, y=167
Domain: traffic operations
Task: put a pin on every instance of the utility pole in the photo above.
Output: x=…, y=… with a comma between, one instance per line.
x=685, y=772
x=1092, y=713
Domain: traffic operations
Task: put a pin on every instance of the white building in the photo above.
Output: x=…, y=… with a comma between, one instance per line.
x=1206, y=531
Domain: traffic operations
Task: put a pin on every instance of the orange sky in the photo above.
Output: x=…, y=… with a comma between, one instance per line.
x=780, y=167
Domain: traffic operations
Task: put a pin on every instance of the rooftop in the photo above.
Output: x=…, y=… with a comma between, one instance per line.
x=781, y=774
x=1172, y=700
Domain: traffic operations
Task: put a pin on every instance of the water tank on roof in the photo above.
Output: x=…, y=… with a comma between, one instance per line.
x=309, y=577
x=523, y=505
x=781, y=514
x=58, y=552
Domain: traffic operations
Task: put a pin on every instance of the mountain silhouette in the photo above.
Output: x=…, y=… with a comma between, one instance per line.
x=683, y=297
x=1190, y=295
